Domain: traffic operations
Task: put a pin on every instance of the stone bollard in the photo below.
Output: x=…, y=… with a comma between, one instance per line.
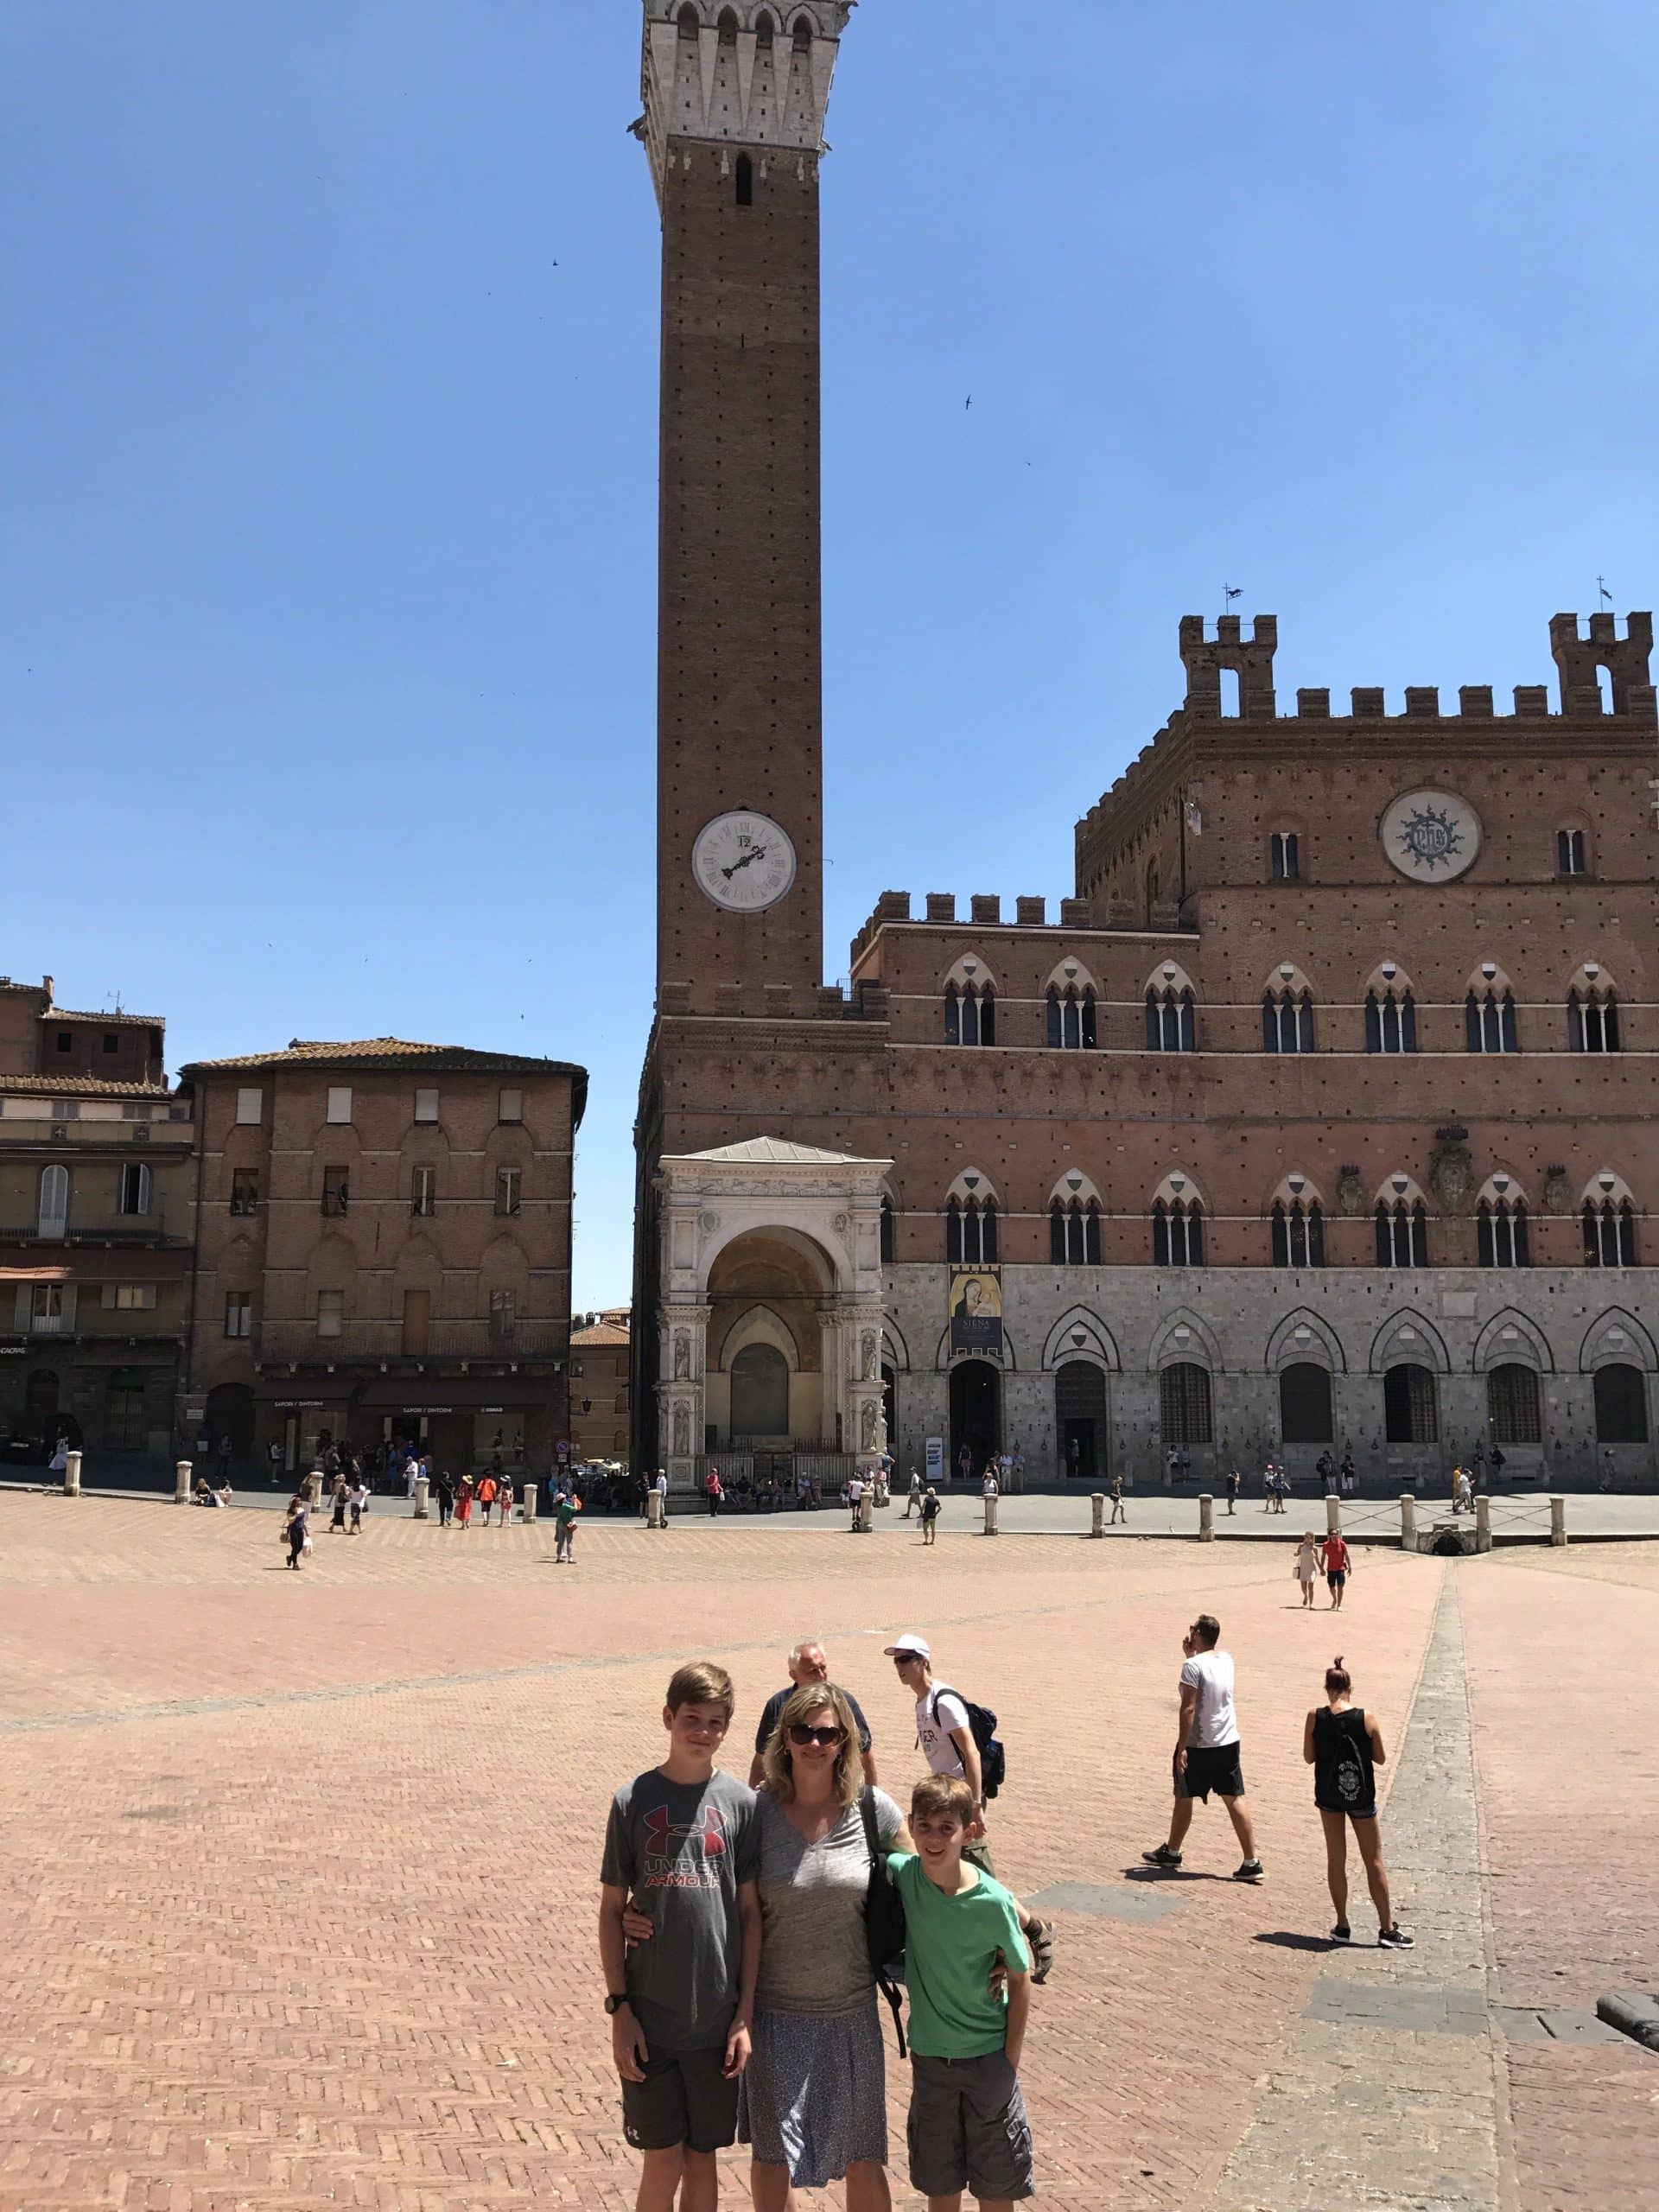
x=1332, y=1514
x=1097, y=1509
x=990, y=1516
x=1407, y=1521
x=654, y=1516
x=422, y=1490
x=72, y=1475
x=182, y=1472
x=531, y=1490
x=866, y=1509
x=1558, y=1520
x=1483, y=1522
x=1207, y=1518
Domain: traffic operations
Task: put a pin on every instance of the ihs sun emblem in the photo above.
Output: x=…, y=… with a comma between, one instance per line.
x=1431, y=837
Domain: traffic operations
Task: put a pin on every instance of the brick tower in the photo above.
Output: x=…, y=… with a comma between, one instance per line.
x=734, y=109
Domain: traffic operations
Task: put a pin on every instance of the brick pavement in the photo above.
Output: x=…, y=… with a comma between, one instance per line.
x=280, y=1949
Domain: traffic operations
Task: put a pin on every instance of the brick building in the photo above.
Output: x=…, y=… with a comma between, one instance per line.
x=385, y=1249
x=1320, y=1116
x=96, y=1212
x=600, y=1352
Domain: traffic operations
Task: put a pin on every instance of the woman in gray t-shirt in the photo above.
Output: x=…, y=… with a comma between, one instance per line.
x=813, y=2101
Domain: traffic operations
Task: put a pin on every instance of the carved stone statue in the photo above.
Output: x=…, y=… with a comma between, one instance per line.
x=682, y=1357
x=867, y=1356
x=871, y=1410
x=682, y=1431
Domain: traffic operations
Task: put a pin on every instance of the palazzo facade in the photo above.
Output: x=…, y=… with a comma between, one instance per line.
x=1320, y=1116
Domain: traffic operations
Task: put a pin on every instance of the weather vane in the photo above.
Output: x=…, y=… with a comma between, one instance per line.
x=1601, y=587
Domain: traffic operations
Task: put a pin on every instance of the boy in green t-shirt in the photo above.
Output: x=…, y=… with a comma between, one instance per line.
x=968, y=2125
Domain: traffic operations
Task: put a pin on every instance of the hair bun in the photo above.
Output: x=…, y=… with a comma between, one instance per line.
x=1337, y=1661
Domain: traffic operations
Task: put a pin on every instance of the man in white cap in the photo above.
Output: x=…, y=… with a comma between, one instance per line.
x=946, y=1739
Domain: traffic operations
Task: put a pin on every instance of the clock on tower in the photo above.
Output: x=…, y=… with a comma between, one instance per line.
x=733, y=125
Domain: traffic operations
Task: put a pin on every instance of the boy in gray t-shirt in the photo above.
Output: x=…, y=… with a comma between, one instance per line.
x=682, y=1846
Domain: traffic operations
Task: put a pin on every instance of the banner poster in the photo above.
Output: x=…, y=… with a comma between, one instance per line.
x=976, y=1310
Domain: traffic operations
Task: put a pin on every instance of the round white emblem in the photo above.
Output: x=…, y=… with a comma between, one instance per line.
x=1431, y=836
x=744, y=862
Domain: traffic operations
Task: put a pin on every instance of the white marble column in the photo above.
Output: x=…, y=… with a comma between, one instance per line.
x=684, y=1338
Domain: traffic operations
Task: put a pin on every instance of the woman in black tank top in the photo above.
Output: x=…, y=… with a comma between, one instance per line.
x=1344, y=1748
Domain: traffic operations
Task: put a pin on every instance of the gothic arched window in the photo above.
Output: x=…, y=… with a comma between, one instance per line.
x=1500, y=1233
x=1608, y=1234
x=1569, y=852
x=970, y=1232
x=1170, y=1020
x=1072, y=1018
x=1298, y=1234
x=1074, y=1233
x=1592, y=1020
x=969, y=1014
x=1489, y=1022
x=1177, y=1233
x=1287, y=1022
x=1390, y=1021
x=1401, y=1233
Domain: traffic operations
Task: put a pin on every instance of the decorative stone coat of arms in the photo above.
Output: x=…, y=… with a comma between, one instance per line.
x=1351, y=1192
x=1558, y=1191
x=1452, y=1168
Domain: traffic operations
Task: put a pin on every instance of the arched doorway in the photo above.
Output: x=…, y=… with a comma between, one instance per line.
x=1304, y=1404
x=1620, y=1404
x=1410, y=1414
x=1080, y=1419
x=975, y=1412
x=760, y=1392
x=229, y=1413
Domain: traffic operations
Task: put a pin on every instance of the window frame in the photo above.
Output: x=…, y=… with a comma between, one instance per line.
x=136, y=1175
x=425, y=1093
x=331, y=1315
x=423, y=1191
x=509, y=1192
x=238, y=1307
x=505, y=1119
x=249, y=1094
x=337, y=1093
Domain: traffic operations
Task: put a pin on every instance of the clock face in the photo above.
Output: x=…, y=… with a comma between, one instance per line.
x=743, y=861
x=1431, y=836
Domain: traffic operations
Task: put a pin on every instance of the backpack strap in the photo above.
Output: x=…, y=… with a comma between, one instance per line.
x=888, y=1989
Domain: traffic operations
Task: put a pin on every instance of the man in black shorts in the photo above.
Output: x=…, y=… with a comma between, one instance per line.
x=1207, y=1755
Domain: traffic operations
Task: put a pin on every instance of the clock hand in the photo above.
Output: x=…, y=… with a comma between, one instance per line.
x=755, y=853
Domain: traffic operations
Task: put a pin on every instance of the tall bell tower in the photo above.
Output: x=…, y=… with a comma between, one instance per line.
x=735, y=99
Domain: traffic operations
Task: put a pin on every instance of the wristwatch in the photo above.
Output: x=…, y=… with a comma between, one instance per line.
x=614, y=2002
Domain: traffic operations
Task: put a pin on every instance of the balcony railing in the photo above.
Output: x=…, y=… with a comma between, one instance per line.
x=300, y=1341
x=133, y=1233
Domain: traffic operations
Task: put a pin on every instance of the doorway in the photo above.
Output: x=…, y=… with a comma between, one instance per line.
x=976, y=1413
x=1080, y=1419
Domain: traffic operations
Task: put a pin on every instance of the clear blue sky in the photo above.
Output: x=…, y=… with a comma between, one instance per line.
x=328, y=422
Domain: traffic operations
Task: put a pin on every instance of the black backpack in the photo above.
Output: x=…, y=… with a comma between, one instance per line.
x=981, y=1721
x=884, y=1919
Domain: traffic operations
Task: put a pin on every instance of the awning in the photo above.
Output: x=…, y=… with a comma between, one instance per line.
x=455, y=1393
x=36, y=1274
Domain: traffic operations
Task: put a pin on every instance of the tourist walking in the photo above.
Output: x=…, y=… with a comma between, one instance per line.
x=808, y=1663
x=360, y=1498
x=337, y=1499
x=930, y=1515
x=855, y=1496
x=565, y=1513
x=504, y=1497
x=1207, y=1750
x=1306, y=1566
x=915, y=1498
x=486, y=1495
x=442, y=1484
x=1344, y=1747
x=1117, y=1512
x=1338, y=1567
x=1232, y=1489
x=965, y=1462
x=712, y=1492
x=464, y=1501
x=1347, y=1474
x=299, y=1508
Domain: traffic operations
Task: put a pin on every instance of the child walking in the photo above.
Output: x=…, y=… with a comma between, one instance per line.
x=967, y=2126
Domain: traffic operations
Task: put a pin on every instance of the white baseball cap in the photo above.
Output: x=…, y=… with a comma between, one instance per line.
x=913, y=1647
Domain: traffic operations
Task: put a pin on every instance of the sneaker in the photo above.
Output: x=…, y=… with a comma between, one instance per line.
x=1250, y=1872
x=1396, y=1939
x=1162, y=1857
x=1339, y=1934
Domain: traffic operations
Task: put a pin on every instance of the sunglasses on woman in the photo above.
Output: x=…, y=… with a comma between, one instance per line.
x=800, y=1733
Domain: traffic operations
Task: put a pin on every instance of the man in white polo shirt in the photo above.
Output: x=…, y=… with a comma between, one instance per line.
x=1207, y=1755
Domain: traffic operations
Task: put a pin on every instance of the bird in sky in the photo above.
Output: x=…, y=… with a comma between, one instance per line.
x=968, y=402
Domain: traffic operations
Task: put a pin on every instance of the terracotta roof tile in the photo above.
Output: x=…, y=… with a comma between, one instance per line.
x=126, y=1020
x=82, y=1086
x=602, y=1332
x=385, y=1053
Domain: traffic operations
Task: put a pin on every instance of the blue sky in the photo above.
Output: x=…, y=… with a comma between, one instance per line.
x=328, y=420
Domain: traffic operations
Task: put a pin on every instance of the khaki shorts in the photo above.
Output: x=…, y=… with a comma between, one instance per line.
x=967, y=2128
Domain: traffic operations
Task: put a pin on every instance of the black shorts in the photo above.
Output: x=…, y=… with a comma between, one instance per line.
x=684, y=2098
x=1336, y=1577
x=1218, y=1769
x=968, y=2128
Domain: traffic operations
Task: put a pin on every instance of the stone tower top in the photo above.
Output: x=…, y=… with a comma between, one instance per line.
x=753, y=75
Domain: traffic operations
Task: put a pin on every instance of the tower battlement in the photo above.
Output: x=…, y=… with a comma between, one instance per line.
x=753, y=76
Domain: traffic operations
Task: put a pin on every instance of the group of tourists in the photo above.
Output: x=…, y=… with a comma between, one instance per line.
x=748, y=1932
x=1328, y=1554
